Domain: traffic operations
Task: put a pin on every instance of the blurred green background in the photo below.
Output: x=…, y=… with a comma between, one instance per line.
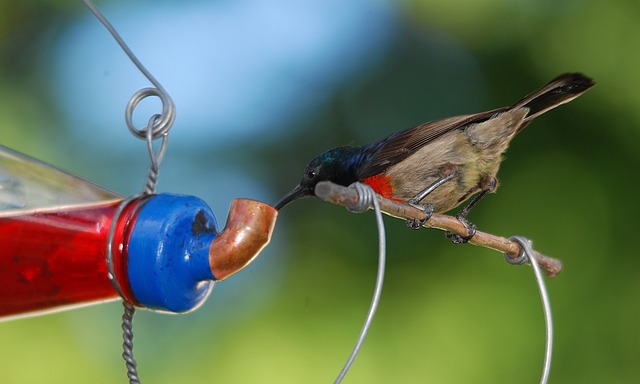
x=261, y=87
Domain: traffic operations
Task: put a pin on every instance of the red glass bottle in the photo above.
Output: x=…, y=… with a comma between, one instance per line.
x=53, y=230
x=74, y=270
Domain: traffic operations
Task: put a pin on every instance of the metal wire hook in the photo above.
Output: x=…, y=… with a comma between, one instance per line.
x=168, y=116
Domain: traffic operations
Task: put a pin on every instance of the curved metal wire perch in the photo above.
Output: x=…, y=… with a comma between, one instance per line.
x=348, y=197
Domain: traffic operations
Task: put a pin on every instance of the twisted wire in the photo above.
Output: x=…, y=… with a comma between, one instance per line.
x=155, y=157
x=127, y=345
x=157, y=127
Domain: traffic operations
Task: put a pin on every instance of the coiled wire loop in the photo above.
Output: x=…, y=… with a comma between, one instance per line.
x=160, y=124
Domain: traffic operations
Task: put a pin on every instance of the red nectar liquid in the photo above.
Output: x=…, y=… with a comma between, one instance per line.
x=55, y=258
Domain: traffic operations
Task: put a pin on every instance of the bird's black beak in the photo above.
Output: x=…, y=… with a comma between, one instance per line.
x=298, y=193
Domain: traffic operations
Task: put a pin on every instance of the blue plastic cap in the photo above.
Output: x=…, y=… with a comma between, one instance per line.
x=168, y=255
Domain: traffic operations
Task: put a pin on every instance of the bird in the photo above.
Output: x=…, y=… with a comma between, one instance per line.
x=440, y=164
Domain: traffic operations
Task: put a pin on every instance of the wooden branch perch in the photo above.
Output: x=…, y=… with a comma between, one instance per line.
x=348, y=197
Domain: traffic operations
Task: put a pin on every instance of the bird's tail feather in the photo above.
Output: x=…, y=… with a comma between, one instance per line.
x=558, y=91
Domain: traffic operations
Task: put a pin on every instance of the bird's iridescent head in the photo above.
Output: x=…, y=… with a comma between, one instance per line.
x=333, y=165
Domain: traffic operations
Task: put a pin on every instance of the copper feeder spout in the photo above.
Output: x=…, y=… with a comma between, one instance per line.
x=248, y=230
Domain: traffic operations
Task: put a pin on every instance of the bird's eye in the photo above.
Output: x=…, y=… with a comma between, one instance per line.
x=311, y=174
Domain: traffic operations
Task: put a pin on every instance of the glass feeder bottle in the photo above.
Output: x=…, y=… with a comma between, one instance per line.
x=166, y=250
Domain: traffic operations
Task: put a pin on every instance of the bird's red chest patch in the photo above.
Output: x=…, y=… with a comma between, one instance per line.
x=382, y=184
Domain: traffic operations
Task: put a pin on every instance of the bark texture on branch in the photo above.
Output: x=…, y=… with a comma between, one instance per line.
x=348, y=197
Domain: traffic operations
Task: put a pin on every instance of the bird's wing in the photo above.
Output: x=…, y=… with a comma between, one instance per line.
x=398, y=146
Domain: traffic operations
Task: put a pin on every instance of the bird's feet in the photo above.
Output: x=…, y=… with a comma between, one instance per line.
x=470, y=227
x=418, y=223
